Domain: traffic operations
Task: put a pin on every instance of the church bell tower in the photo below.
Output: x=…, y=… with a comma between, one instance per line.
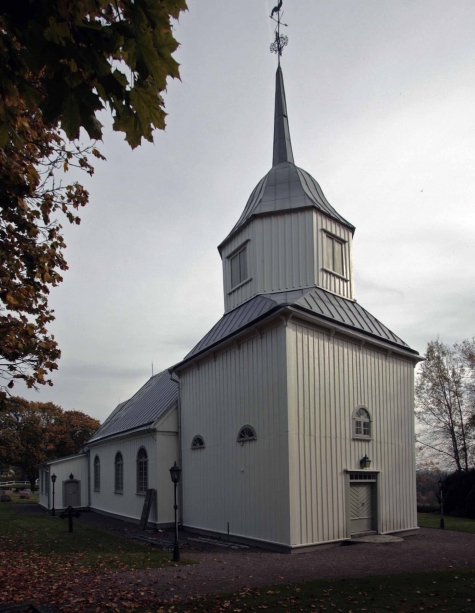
x=288, y=237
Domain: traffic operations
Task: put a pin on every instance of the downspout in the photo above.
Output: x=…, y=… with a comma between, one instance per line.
x=180, y=454
x=88, y=478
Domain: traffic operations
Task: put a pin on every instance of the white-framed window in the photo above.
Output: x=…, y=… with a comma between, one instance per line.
x=97, y=474
x=361, y=423
x=118, y=473
x=238, y=264
x=335, y=255
x=246, y=433
x=198, y=442
x=142, y=471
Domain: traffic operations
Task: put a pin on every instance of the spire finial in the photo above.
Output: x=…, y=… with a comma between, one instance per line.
x=280, y=41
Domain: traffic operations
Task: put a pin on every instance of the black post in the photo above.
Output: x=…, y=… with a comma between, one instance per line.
x=53, y=479
x=176, y=547
x=441, y=495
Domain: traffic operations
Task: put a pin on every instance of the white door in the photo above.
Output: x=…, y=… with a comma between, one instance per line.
x=361, y=507
x=72, y=493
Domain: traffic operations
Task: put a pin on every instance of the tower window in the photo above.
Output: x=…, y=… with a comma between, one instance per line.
x=334, y=255
x=239, y=267
x=362, y=423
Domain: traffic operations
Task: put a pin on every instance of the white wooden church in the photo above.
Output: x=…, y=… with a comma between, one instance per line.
x=292, y=419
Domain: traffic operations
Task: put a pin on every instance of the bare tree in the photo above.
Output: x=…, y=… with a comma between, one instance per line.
x=445, y=402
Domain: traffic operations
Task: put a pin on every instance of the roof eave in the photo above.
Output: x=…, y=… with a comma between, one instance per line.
x=326, y=322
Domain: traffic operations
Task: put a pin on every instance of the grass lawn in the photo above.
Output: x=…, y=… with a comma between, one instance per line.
x=41, y=561
x=460, y=524
x=445, y=591
x=85, y=549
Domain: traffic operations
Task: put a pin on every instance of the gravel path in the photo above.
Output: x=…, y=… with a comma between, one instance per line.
x=222, y=570
x=233, y=570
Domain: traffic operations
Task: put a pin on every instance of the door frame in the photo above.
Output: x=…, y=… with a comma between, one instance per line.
x=64, y=491
x=376, y=502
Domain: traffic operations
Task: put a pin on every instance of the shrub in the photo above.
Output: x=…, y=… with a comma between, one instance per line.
x=459, y=494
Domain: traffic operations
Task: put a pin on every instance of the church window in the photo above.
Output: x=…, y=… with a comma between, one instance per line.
x=119, y=473
x=361, y=423
x=246, y=433
x=142, y=471
x=97, y=474
x=239, y=267
x=334, y=255
x=198, y=442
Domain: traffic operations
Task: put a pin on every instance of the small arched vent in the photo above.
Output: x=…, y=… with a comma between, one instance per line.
x=198, y=442
x=246, y=433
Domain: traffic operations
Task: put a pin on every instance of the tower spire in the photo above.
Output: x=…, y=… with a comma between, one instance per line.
x=282, y=145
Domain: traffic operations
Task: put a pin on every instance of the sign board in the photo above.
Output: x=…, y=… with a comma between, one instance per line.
x=147, y=505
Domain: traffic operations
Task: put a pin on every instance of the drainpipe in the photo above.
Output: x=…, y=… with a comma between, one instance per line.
x=88, y=478
x=180, y=454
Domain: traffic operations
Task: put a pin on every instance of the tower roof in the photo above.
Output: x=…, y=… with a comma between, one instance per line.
x=282, y=145
x=286, y=186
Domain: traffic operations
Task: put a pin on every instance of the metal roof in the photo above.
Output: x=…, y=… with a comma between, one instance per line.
x=143, y=409
x=233, y=321
x=282, y=144
x=316, y=300
x=285, y=186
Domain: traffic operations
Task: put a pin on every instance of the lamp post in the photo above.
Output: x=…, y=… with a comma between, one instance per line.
x=175, y=473
x=441, y=498
x=53, y=479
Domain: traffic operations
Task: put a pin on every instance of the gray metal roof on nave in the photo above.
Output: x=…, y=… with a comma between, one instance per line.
x=144, y=408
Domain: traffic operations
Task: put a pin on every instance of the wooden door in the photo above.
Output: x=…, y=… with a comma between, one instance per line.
x=72, y=493
x=361, y=507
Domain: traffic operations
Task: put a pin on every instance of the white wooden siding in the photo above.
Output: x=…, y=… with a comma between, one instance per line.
x=280, y=256
x=325, y=279
x=328, y=378
x=77, y=466
x=285, y=252
x=129, y=503
x=243, y=484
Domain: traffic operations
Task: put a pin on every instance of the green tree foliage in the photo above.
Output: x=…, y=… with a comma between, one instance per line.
x=33, y=432
x=445, y=403
x=61, y=62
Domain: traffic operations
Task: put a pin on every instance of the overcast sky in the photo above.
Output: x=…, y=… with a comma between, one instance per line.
x=381, y=102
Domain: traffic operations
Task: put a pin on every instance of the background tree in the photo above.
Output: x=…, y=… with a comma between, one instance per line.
x=445, y=403
x=61, y=62
x=33, y=432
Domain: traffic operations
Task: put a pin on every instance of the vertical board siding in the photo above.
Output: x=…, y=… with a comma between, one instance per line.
x=327, y=378
x=327, y=280
x=129, y=503
x=76, y=466
x=280, y=256
x=243, y=484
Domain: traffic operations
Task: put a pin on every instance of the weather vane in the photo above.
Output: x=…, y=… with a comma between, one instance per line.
x=280, y=41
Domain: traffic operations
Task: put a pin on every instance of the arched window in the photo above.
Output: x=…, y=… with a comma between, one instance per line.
x=142, y=471
x=361, y=423
x=198, y=442
x=246, y=433
x=119, y=473
x=97, y=474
